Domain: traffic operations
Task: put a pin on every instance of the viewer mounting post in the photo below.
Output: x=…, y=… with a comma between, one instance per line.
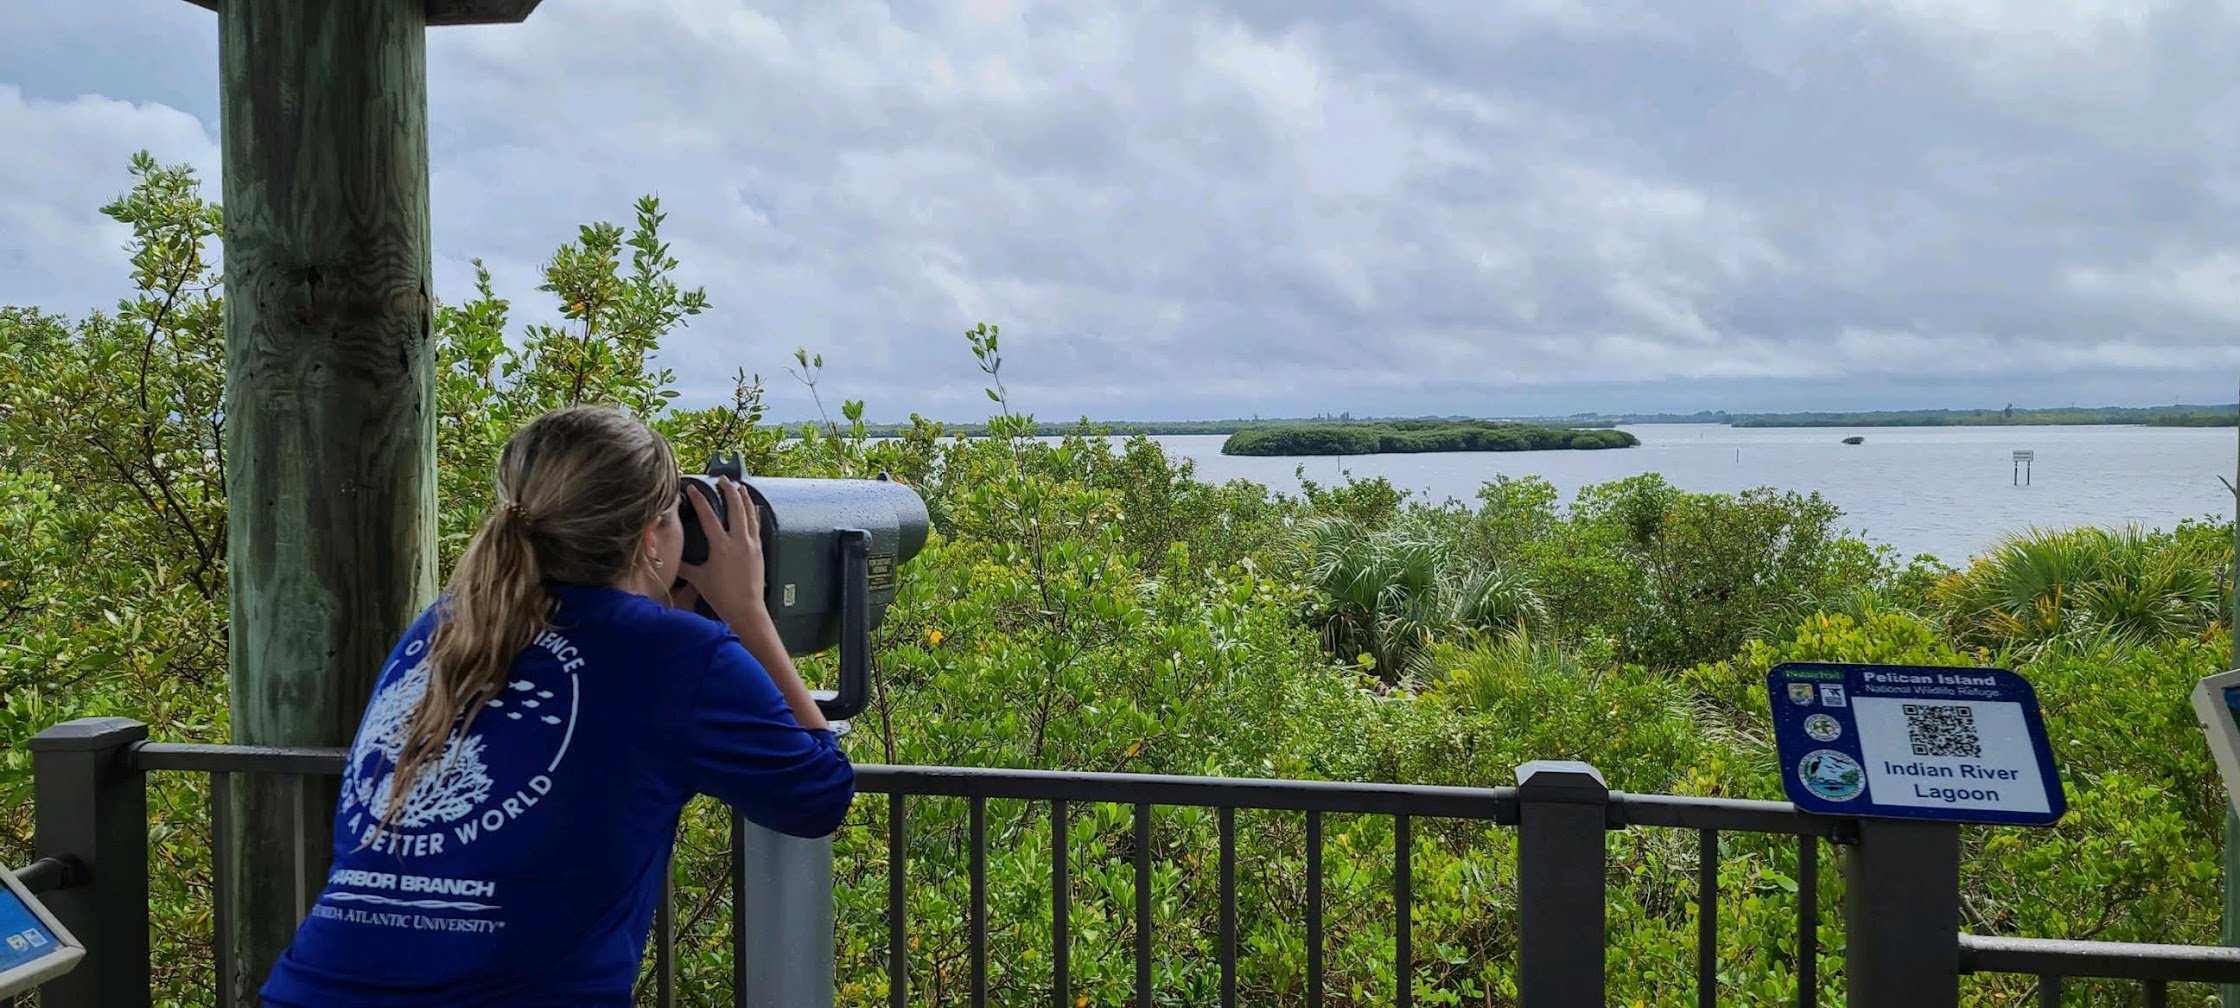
x=330, y=406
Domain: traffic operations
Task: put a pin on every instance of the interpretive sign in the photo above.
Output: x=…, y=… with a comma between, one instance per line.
x=1913, y=742
x=34, y=948
x=2216, y=701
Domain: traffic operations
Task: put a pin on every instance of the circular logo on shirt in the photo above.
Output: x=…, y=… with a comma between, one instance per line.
x=468, y=791
x=1823, y=728
x=1831, y=775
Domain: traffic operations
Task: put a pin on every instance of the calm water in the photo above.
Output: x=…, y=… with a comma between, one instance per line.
x=1940, y=490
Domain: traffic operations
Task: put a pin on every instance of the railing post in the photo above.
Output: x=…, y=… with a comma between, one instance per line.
x=1563, y=809
x=91, y=809
x=1901, y=915
x=783, y=899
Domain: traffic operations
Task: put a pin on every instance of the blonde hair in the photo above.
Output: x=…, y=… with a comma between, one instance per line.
x=576, y=486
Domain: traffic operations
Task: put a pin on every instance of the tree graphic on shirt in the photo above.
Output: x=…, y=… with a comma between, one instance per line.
x=447, y=791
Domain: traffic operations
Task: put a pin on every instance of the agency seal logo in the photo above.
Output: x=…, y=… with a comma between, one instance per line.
x=1823, y=728
x=1831, y=775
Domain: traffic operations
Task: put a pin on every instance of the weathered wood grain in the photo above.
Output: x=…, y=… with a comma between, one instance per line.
x=329, y=397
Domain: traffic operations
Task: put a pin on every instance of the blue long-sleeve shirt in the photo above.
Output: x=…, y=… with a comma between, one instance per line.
x=525, y=867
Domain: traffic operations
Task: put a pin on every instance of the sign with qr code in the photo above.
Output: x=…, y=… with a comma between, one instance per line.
x=1913, y=742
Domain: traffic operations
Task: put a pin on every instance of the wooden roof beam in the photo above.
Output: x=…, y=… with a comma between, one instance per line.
x=454, y=12
x=471, y=12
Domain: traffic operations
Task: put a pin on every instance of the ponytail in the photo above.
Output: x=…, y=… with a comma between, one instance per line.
x=576, y=489
x=497, y=604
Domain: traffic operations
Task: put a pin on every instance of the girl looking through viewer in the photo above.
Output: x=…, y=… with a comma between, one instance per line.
x=513, y=792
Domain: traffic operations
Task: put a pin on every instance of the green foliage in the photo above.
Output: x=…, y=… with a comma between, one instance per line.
x=2205, y=419
x=1383, y=596
x=1087, y=603
x=2128, y=585
x=1371, y=503
x=112, y=571
x=1670, y=578
x=1387, y=436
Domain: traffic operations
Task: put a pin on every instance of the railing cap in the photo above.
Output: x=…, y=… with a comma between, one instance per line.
x=1561, y=780
x=89, y=735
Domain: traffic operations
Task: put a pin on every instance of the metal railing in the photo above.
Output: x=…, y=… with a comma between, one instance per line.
x=2052, y=961
x=1901, y=913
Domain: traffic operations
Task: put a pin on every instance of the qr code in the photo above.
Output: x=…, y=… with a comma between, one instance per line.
x=1943, y=730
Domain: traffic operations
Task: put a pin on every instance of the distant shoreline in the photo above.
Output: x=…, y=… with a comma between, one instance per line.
x=2203, y=415
x=2150, y=416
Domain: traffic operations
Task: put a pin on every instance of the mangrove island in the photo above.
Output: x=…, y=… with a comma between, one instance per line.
x=1395, y=436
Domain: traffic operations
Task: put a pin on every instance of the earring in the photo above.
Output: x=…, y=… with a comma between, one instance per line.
x=656, y=561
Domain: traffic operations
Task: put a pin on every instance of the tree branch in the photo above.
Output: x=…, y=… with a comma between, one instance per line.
x=155, y=327
x=126, y=476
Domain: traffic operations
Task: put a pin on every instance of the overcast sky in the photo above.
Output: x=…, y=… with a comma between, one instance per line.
x=1214, y=209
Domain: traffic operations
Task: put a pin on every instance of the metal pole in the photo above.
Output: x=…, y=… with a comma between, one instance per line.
x=784, y=902
x=1563, y=811
x=1902, y=915
x=2229, y=994
x=92, y=810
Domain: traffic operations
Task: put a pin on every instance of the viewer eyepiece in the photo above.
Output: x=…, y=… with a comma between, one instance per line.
x=831, y=551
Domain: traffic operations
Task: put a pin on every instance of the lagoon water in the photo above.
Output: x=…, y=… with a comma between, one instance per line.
x=1940, y=490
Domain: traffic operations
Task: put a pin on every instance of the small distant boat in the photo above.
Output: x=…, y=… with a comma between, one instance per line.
x=1855, y=439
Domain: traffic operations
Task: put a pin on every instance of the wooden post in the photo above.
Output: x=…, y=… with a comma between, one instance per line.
x=330, y=406
x=330, y=418
x=330, y=402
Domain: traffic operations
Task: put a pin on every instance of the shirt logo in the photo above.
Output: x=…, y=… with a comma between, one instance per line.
x=461, y=796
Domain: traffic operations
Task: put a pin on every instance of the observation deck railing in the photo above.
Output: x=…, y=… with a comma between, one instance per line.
x=1902, y=945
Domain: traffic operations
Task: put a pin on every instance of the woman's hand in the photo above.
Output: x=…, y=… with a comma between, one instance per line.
x=731, y=579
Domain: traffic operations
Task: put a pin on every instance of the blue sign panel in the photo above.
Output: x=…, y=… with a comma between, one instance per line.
x=22, y=937
x=1910, y=742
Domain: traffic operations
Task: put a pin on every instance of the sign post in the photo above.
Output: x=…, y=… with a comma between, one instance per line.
x=1911, y=742
x=2229, y=995
x=2216, y=704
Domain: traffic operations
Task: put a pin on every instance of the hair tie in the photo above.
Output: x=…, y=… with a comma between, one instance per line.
x=519, y=512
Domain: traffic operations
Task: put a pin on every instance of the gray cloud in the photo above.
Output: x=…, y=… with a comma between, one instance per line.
x=1279, y=206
